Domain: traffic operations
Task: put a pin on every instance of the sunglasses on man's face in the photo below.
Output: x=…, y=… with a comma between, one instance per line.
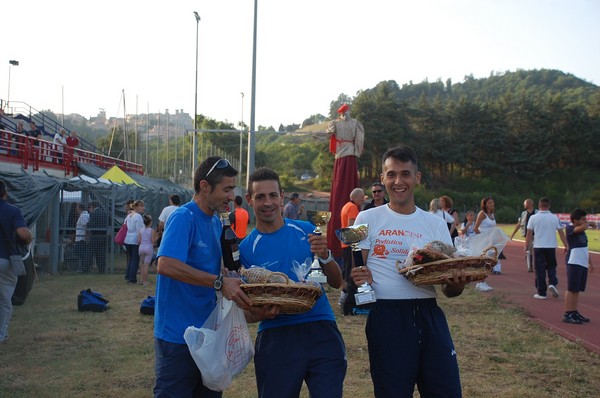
x=219, y=164
x=377, y=191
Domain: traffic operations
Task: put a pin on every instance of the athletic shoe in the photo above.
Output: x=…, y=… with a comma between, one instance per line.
x=581, y=317
x=572, y=318
x=483, y=287
x=539, y=297
x=553, y=291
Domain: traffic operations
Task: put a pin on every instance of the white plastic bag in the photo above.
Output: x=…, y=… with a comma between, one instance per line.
x=222, y=347
x=476, y=244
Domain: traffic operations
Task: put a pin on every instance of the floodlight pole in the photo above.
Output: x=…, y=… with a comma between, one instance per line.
x=241, y=139
x=251, y=144
x=194, y=143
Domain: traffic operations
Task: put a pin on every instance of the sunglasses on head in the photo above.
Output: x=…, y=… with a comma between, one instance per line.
x=219, y=164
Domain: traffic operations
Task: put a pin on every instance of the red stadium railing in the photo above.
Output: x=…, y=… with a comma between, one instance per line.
x=38, y=153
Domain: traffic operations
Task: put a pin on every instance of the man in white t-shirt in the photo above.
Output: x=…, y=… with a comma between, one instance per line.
x=544, y=226
x=405, y=328
x=174, y=203
x=60, y=141
x=83, y=252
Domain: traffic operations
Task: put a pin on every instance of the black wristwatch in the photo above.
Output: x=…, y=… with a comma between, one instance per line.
x=218, y=283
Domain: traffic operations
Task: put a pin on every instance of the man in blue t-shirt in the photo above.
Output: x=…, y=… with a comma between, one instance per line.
x=12, y=226
x=189, y=275
x=289, y=348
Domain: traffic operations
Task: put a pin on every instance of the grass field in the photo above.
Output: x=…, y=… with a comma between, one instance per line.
x=56, y=351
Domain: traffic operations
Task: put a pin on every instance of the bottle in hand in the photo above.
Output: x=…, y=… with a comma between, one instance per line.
x=229, y=245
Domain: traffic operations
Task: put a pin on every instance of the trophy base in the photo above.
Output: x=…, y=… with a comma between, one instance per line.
x=365, y=297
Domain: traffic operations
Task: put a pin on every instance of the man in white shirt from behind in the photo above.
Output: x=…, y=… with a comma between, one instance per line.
x=544, y=226
x=174, y=203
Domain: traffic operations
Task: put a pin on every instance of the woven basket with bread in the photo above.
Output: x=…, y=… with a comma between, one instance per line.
x=265, y=287
x=434, y=263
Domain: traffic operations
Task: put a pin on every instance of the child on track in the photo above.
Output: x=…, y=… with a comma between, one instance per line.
x=578, y=261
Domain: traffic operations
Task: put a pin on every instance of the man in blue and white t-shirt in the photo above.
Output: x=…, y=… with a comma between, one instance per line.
x=291, y=348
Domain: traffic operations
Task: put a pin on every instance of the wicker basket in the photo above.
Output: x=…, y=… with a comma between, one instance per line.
x=476, y=268
x=292, y=297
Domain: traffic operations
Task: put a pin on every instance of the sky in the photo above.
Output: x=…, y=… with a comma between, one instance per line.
x=82, y=56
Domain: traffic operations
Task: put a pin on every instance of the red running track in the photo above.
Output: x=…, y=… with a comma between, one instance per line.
x=517, y=286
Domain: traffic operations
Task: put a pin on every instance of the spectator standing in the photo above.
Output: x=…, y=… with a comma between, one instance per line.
x=34, y=134
x=408, y=336
x=486, y=221
x=20, y=139
x=578, y=261
x=146, y=240
x=128, y=207
x=135, y=223
x=446, y=204
x=544, y=226
x=189, y=274
x=72, y=143
x=98, y=227
x=72, y=140
x=293, y=209
x=378, y=192
x=435, y=208
x=522, y=225
x=81, y=249
x=347, y=218
x=347, y=138
x=12, y=227
x=174, y=203
x=59, y=142
x=290, y=348
x=239, y=218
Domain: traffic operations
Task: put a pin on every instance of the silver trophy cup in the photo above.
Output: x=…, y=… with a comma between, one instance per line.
x=351, y=236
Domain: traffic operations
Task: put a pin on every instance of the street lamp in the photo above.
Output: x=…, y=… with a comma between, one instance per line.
x=194, y=149
x=10, y=64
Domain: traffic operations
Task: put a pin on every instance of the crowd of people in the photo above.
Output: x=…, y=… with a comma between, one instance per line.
x=27, y=142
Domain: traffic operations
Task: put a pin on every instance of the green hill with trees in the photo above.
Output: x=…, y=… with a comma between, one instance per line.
x=510, y=135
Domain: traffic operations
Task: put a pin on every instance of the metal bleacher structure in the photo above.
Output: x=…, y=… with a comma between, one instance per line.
x=34, y=154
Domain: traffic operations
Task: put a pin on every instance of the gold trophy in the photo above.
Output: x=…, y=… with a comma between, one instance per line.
x=318, y=218
x=351, y=236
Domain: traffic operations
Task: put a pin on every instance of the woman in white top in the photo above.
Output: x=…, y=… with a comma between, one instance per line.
x=486, y=220
x=135, y=224
x=435, y=208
